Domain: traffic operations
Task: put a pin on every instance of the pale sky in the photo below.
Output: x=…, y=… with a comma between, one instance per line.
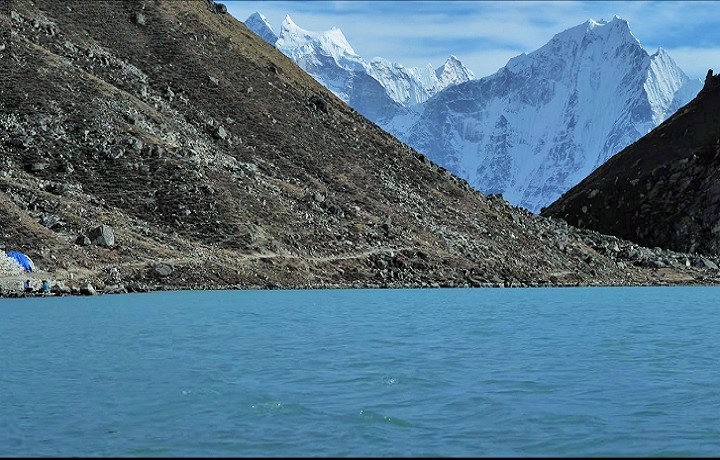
x=484, y=35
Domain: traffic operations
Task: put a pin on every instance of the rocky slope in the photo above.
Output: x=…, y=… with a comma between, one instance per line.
x=176, y=149
x=663, y=190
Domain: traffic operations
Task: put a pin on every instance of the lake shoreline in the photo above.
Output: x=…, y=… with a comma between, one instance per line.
x=137, y=289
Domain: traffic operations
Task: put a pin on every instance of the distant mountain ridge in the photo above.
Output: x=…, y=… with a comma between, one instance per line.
x=329, y=58
x=533, y=129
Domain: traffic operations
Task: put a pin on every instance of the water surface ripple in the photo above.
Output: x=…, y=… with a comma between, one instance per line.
x=461, y=372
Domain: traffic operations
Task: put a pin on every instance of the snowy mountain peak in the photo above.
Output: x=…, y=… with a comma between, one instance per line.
x=591, y=23
x=291, y=33
x=258, y=16
x=451, y=63
x=590, y=41
x=453, y=72
x=288, y=23
x=613, y=33
x=382, y=62
x=618, y=29
x=332, y=41
x=259, y=24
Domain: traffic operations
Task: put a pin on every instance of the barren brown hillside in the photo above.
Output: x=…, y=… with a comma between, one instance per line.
x=219, y=163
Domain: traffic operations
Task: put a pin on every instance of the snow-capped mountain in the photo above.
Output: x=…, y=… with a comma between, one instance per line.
x=330, y=59
x=406, y=86
x=530, y=131
x=415, y=85
x=547, y=119
x=377, y=88
x=261, y=26
x=453, y=72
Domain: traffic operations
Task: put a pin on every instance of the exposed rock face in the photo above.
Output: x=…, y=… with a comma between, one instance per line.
x=297, y=190
x=663, y=190
x=711, y=81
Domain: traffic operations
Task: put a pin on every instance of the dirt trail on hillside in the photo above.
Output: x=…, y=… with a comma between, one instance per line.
x=15, y=282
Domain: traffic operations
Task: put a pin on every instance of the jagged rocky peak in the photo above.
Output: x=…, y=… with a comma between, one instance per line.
x=606, y=34
x=711, y=81
x=661, y=53
x=381, y=62
x=453, y=72
x=589, y=41
x=259, y=24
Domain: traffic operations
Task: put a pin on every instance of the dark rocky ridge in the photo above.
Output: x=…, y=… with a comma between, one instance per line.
x=216, y=162
x=663, y=190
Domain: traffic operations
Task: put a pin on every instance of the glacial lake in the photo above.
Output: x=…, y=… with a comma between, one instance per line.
x=437, y=372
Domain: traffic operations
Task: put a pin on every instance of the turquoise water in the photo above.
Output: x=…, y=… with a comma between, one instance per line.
x=477, y=372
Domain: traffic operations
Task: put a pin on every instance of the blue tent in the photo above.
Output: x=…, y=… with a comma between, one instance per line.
x=24, y=261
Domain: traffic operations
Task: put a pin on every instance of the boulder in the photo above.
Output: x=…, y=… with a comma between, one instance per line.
x=87, y=289
x=705, y=264
x=59, y=288
x=102, y=235
x=83, y=240
x=51, y=221
x=163, y=270
x=317, y=103
x=221, y=133
x=19, y=142
x=36, y=166
x=115, y=289
x=136, y=145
